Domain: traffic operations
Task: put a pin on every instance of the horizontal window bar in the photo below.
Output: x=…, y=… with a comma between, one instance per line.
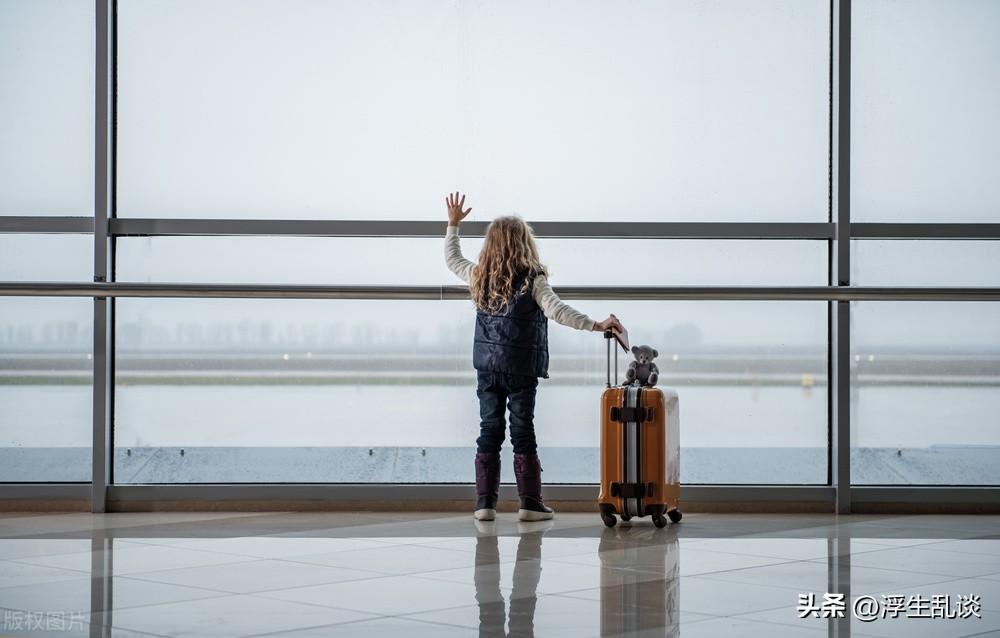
x=376, y=491
x=555, y=229
x=430, y=492
x=28, y=224
x=706, y=293
x=924, y=231
x=388, y=228
x=395, y=492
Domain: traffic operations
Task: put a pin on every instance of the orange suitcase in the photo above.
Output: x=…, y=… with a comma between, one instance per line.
x=640, y=449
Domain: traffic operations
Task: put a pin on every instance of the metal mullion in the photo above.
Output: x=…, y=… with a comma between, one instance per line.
x=840, y=262
x=840, y=388
x=61, y=224
x=830, y=245
x=866, y=230
x=435, y=229
x=104, y=121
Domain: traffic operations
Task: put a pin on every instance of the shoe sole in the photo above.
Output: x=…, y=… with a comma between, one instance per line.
x=529, y=516
x=485, y=515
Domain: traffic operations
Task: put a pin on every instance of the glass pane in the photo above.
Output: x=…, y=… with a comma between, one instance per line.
x=46, y=257
x=313, y=260
x=925, y=263
x=925, y=138
x=236, y=390
x=925, y=401
x=558, y=110
x=45, y=389
x=47, y=107
x=45, y=362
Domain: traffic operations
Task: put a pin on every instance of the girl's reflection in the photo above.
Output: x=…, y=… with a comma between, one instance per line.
x=639, y=579
x=527, y=571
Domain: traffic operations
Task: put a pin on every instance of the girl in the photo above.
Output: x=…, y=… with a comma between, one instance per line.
x=513, y=301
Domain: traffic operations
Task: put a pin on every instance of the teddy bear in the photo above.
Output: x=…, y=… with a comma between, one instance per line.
x=642, y=369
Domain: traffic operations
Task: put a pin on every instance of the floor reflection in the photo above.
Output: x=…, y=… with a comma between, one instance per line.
x=312, y=576
x=640, y=580
x=524, y=589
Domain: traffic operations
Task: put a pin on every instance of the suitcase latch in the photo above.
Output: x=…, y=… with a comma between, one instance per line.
x=629, y=415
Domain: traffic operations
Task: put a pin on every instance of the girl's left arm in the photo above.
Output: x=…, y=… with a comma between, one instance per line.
x=452, y=247
x=453, y=255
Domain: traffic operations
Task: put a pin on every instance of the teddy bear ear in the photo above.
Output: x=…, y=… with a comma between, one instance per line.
x=635, y=350
x=655, y=353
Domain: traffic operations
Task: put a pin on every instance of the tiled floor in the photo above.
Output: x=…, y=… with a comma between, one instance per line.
x=408, y=574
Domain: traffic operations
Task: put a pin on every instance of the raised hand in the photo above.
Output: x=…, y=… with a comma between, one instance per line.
x=455, y=201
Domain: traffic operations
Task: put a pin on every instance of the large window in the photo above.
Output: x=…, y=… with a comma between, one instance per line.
x=656, y=144
x=46, y=107
x=926, y=263
x=924, y=146
x=925, y=394
x=925, y=374
x=344, y=391
x=567, y=111
x=561, y=110
x=407, y=261
x=45, y=362
x=926, y=90
x=46, y=169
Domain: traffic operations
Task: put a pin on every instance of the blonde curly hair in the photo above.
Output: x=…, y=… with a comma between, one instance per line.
x=509, y=251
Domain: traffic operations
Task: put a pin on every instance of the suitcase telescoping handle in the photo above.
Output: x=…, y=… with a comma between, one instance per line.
x=611, y=336
x=608, y=337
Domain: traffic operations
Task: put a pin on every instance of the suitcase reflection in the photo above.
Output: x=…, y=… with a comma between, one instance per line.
x=639, y=581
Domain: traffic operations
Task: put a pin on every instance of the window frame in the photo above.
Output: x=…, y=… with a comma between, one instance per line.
x=837, y=233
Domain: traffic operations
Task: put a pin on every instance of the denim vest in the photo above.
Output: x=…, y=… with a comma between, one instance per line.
x=515, y=340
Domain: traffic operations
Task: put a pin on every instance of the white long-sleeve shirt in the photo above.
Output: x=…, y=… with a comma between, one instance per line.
x=554, y=308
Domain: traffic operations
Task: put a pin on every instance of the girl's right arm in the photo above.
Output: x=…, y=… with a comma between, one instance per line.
x=559, y=311
x=452, y=247
x=453, y=255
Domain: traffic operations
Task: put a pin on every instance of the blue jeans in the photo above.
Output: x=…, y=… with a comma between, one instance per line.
x=499, y=391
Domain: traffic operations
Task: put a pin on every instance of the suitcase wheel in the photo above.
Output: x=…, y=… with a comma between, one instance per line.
x=659, y=520
x=609, y=519
x=675, y=516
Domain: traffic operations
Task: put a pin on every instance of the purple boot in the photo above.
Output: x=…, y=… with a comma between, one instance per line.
x=487, y=486
x=528, y=471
